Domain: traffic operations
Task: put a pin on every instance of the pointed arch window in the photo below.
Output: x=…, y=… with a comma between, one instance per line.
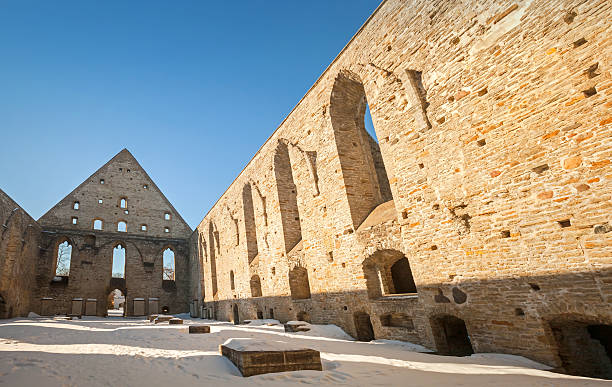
x=64, y=256
x=168, y=267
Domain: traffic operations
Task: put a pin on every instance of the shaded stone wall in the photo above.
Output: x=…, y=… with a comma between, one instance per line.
x=19, y=249
x=153, y=225
x=494, y=126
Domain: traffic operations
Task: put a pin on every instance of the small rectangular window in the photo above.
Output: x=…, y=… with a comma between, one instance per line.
x=145, y=186
x=143, y=227
x=167, y=216
x=101, y=181
x=75, y=220
x=99, y=201
x=166, y=229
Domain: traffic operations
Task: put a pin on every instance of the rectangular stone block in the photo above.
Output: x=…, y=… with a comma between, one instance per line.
x=76, y=307
x=139, y=307
x=90, y=307
x=199, y=329
x=253, y=357
x=175, y=321
x=161, y=319
x=153, y=305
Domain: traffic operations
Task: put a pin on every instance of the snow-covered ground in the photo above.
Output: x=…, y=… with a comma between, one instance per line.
x=133, y=352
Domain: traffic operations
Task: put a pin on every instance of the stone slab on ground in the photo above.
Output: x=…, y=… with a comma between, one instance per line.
x=199, y=329
x=295, y=326
x=254, y=357
x=175, y=321
x=161, y=319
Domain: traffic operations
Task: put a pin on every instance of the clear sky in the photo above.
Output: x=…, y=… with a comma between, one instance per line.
x=191, y=88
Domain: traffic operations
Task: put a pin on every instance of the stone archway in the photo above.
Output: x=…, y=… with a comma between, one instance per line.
x=235, y=314
x=451, y=336
x=584, y=346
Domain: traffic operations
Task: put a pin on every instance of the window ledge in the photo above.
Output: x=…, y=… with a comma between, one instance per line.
x=403, y=296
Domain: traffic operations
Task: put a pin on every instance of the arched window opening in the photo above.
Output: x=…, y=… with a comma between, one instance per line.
x=401, y=276
x=168, y=267
x=213, y=260
x=123, y=203
x=167, y=216
x=232, y=280
x=76, y=205
x=363, y=169
x=122, y=226
x=255, y=286
x=298, y=283
x=115, y=303
x=64, y=256
x=249, y=222
x=97, y=224
x=166, y=229
x=388, y=272
x=287, y=197
x=118, y=270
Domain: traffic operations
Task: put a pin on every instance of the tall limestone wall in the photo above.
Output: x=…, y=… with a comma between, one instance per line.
x=19, y=250
x=494, y=123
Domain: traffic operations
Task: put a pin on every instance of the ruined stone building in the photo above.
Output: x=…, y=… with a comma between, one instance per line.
x=62, y=263
x=478, y=218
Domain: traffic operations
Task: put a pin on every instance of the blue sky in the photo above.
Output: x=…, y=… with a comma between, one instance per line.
x=191, y=88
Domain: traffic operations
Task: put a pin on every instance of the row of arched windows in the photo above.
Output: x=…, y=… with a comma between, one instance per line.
x=64, y=257
x=122, y=226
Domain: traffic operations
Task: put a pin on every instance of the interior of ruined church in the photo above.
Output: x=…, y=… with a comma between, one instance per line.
x=474, y=219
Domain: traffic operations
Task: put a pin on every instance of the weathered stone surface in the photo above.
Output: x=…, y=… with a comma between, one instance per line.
x=493, y=132
x=175, y=321
x=161, y=319
x=294, y=327
x=257, y=362
x=199, y=329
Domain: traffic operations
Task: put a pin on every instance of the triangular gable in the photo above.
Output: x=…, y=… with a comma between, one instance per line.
x=123, y=177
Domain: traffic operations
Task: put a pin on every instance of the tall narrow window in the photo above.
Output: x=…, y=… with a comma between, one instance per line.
x=287, y=197
x=75, y=205
x=168, y=268
x=122, y=226
x=123, y=203
x=249, y=222
x=118, y=262
x=64, y=255
x=232, y=285
x=97, y=224
x=167, y=216
x=75, y=220
x=364, y=173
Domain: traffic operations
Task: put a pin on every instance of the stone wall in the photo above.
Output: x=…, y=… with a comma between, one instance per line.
x=494, y=125
x=120, y=191
x=19, y=249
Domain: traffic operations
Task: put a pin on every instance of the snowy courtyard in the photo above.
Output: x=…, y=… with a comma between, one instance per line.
x=134, y=352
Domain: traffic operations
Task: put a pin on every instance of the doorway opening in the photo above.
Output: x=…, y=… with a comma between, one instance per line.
x=115, y=303
x=363, y=326
x=451, y=336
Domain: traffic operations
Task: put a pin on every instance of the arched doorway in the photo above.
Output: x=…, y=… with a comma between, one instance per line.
x=115, y=303
x=236, y=315
x=451, y=336
x=584, y=346
x=363, y=326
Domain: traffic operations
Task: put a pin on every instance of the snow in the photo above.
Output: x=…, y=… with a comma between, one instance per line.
x=249, y=344
x=98, y=351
